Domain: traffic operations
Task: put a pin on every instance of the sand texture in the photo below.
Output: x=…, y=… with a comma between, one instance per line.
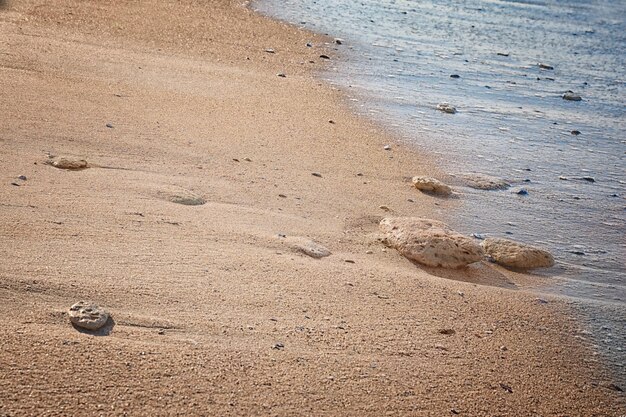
x=198, y=174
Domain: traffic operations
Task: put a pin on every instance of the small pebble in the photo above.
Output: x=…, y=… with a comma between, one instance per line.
x=455, y=76
x=387, y=147
x=282, y=74
x=309, y=45
x=109, y=125
x=278, y=346
x=522, y=191
x=316, y=174
x=575, y=132
x=324, y=56
x=545, y=66
x=589, y=179
x=22, y=178
x=270, y=51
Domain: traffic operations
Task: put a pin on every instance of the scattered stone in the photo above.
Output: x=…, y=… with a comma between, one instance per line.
x=506, y=387
x=522, y=191
x=385, y=208
x=247, y=159
x=431, y=185
x=309, y=45
x=484, y=182
x=278, y=346
x=503, y=53
x=387, y=147
x=339, y=41
x=478, y=236
x=455, y=76
x=71, y=164
x=350, y=261
x=307, y=247
x=109, y=125
x=455, y=411
x=282, y=195
x=270, y=51
x=571, y=96
x=588, y=179
x=447, y=332
x=324, y=56
x=22, y=178
x=430, y=242
x=316, y=174
x=15, y=184
x=87, y=315
x=516, y=255
x=575, y=132
x=563, y=178
x=545, y=66
x=282, y=74
x=369, y=252
x=446, y=108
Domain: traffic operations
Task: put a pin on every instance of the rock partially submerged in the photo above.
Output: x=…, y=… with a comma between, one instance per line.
x=431, y=185
x=484, y=182
x=87, y=315
x=516, y=255
x=446, y=108
x=73, y=164
x=307, y=247
x=430, y=242
x=571, y=96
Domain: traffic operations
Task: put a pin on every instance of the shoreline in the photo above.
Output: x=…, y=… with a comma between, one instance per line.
x=203, y=295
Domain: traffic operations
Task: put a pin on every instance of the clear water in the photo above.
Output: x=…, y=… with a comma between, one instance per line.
x=512, y=121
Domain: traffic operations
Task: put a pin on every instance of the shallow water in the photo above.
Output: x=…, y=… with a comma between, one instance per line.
x=512, y=121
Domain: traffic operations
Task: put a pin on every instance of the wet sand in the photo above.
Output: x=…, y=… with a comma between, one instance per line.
x=213, y=312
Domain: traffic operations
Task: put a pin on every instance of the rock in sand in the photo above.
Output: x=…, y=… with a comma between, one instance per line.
x=68, y=163
x=516, y=255
x=87, y=315
x=431, y=185
x=430, y=242
x=307, y=247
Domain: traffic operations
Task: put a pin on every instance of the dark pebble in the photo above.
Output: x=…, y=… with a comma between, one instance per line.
x=522, y=191
x=324, y=57
x=447, y=332
x=615, y=387
x=545, y=66
x=22, y=178
x=575, y=132
x=109, y=125
x=15, y=184
x=281, y=74
x=278, y=346
x=309, y=45
x=479, y=236
x=316, y=174
x=455, y=76
x=589, y=179
x=506, y=387
x=577, y=252
x=503, y=53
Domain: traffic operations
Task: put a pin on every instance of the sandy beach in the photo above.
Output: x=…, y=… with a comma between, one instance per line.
x=214, y=310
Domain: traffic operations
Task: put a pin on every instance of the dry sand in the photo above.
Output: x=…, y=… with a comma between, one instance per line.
x=214, y=313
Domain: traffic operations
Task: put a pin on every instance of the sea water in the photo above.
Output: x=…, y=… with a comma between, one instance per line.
x=505, y=65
